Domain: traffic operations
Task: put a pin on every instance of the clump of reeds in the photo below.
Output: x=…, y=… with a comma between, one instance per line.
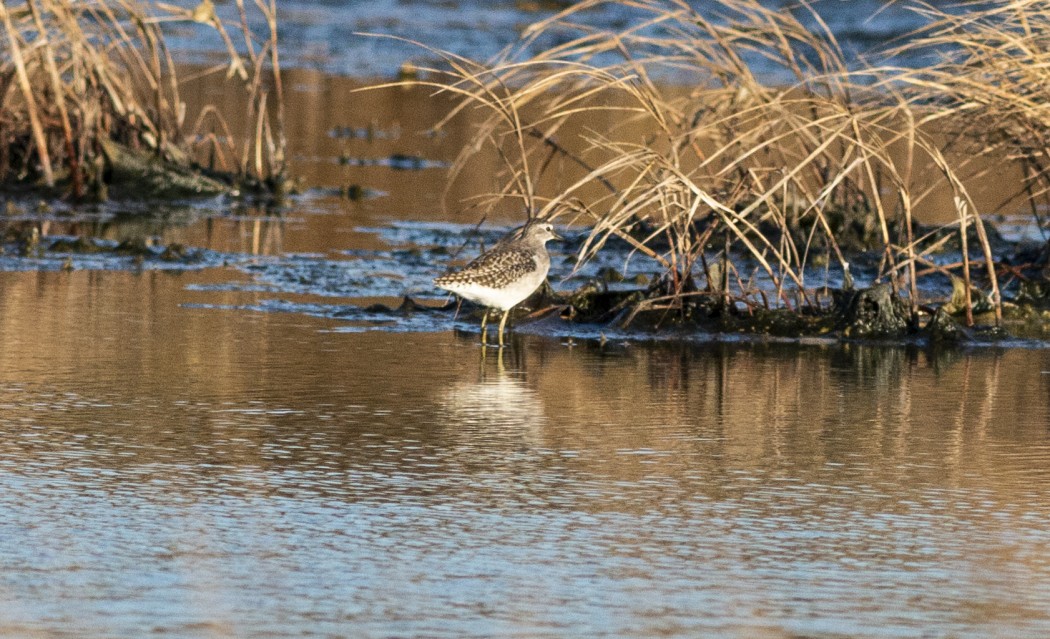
x=83, y=84
x=776, y=151
x=985, y=82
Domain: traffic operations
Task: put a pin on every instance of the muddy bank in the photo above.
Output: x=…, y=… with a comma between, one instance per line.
x=873, y=314
x=607, y=298
x=384, y=281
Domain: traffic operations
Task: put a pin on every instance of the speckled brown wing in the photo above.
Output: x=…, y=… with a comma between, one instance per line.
x=495, y=269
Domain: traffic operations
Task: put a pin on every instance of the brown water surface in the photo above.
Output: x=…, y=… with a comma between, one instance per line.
x=169, y=470
x=220, y=452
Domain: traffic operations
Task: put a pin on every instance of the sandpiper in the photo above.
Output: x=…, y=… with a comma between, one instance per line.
x=506, y=274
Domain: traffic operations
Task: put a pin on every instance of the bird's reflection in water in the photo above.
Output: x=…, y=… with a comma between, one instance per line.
x=497, y=408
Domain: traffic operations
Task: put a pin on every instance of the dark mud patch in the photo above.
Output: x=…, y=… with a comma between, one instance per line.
x=396, y=162
x=616, y=296
x=30, y=252
x=416, y=253
x=142, y=234
x=407, y=317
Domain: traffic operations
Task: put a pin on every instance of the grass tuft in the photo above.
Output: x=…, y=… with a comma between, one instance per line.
x=87, y=85
x=740, y=143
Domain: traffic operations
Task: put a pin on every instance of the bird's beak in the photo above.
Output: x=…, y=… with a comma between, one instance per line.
x=556, y=235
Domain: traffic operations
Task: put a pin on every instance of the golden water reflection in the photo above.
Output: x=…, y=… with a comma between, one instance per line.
x=264, y=473
x=129, y=334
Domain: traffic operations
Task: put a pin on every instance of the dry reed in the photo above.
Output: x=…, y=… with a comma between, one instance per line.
x=986, y=84
x=781, y=154
x=82, y=81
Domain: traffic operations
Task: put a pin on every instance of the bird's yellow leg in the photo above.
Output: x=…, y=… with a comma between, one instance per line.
x=502, y=323
x=484, y=320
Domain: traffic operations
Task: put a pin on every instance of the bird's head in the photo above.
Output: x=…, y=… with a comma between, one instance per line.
x=540, y=231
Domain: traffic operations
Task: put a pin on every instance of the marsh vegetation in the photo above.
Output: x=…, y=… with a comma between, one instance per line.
x=765, y=170
x=90, y=101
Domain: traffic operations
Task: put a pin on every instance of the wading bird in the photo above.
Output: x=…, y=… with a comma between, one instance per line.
x=505, y=275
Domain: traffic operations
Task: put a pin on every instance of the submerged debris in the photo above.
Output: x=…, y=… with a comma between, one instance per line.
x=408, y=306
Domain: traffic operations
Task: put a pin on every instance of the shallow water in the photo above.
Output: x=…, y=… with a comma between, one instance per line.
x=327, y=35
x=234, y=446
x=169, y=470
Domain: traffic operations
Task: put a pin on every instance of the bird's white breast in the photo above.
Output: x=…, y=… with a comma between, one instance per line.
x=502, y=298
